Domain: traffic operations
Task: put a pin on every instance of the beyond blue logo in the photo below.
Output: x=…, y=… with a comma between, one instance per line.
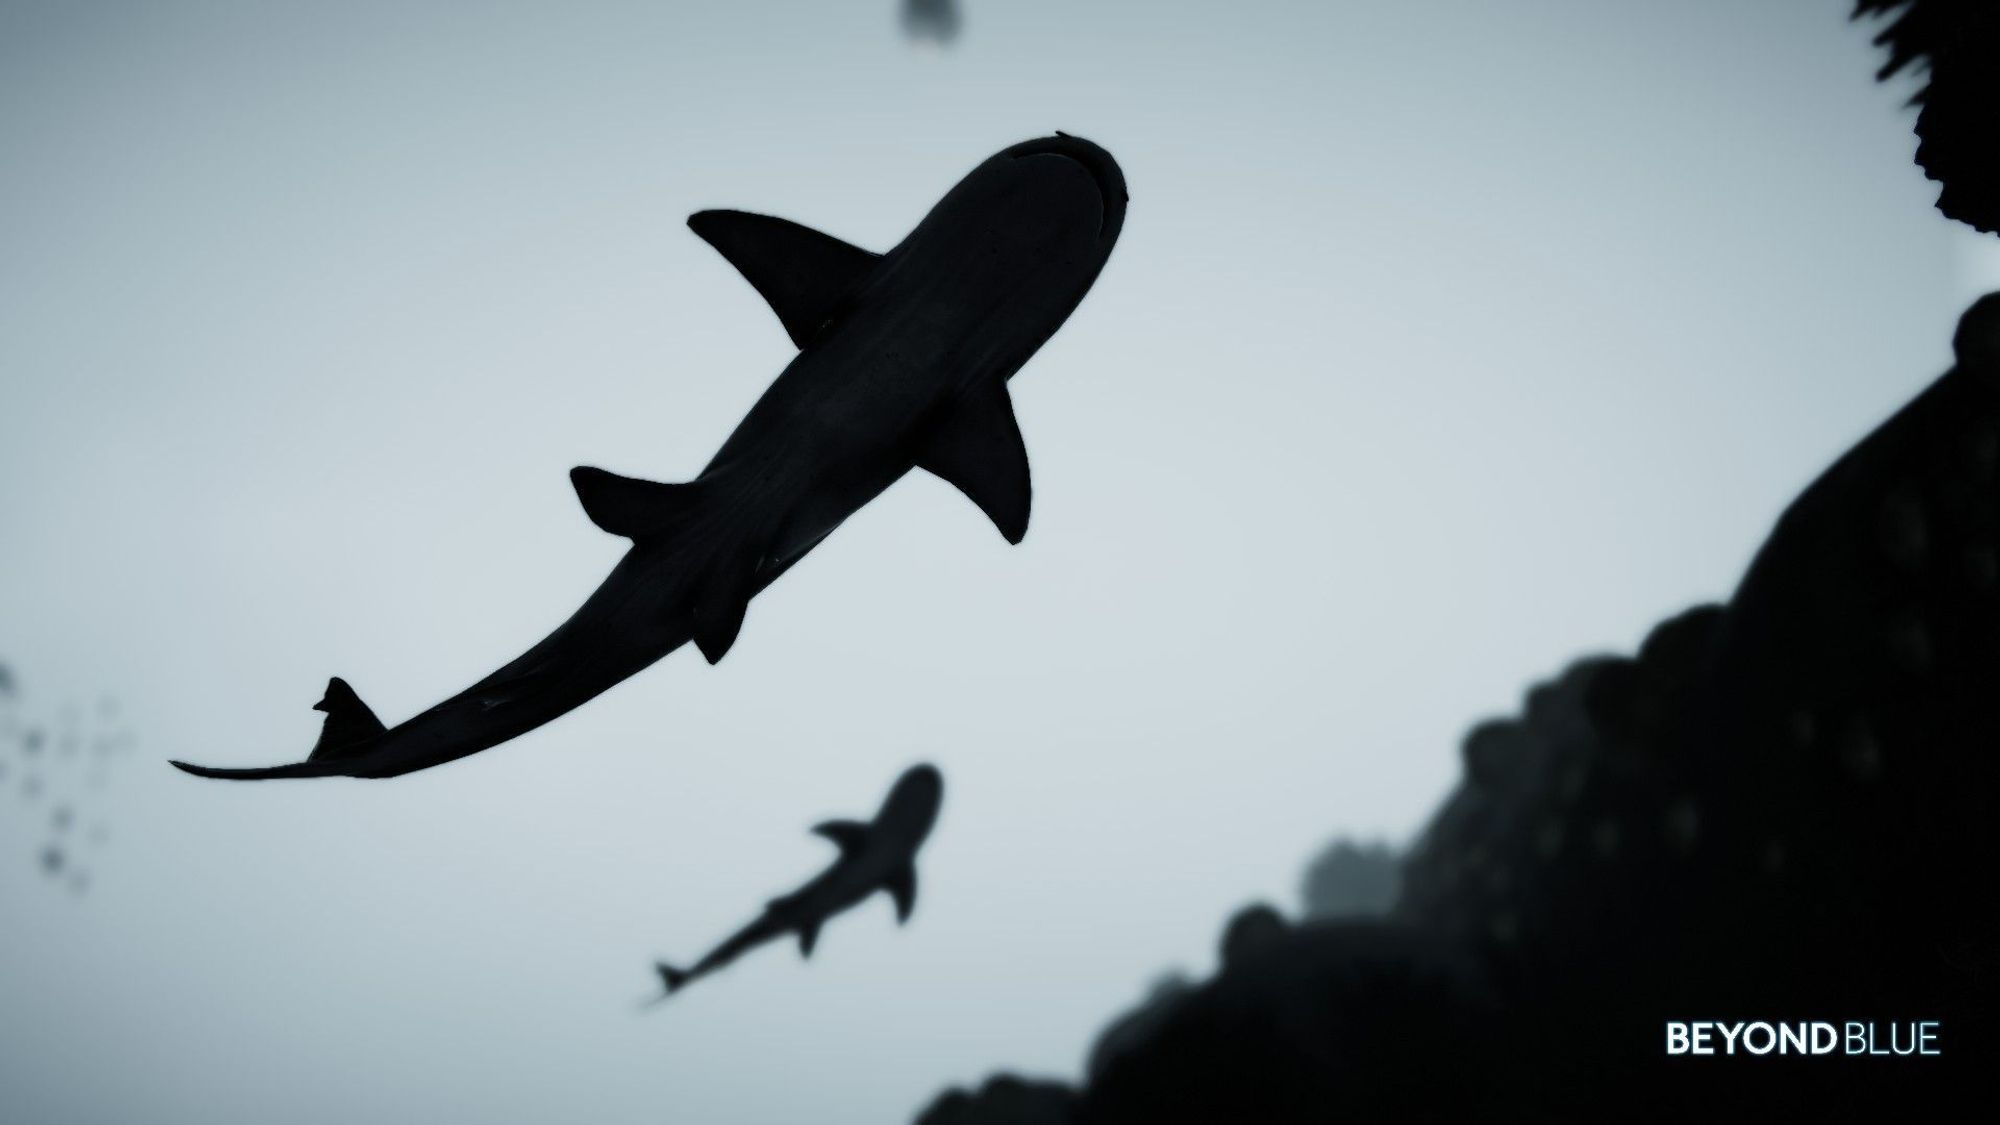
x=1802, y=1038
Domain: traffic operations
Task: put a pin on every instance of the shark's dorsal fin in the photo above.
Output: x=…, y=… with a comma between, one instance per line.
x=349, y=723
x=849, y=836
x=802, y=274
x=808, y=936
x=977, y=447
x=636, y=509
x=902, y=886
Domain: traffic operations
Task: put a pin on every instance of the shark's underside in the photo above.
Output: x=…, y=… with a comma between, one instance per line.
x=903, y=363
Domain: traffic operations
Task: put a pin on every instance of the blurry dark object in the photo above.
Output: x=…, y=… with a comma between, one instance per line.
x=1352, y=880
x=877, y=856
x=60, y=776
x=1957, y=42
x=1781, y=809
x=1003, y=1100
x=1356, y=1021
x=1137, y=1027
x=932, y=22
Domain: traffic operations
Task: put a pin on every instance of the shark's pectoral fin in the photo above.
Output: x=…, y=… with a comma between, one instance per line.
x=808, y=937
x=849, y=836
x=349, y=725
x=902, y=886
x=636, y=509
x=804, y=275
x=978, y=448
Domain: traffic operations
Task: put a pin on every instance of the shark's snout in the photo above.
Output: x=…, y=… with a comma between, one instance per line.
x=922, y=780
x=1103, y=169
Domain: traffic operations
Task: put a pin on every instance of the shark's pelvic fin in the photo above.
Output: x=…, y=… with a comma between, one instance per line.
x=349, y=725
x=902, y=886
x=803, y=274
x=718, y=615
x=978, y=448
x=808, y=937
x=849, y=836
x=636, y=509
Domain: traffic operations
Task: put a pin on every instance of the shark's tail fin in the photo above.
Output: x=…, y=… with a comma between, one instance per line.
x=671, y=978
x=349, y=725
x=350, y=728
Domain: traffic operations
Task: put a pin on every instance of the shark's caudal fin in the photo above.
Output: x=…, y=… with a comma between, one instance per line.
x=349, y=729
x=802, y=274
x=349, y=725
x=671, y=978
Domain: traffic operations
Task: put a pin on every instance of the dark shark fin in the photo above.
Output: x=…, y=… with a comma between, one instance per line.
x=636, y=509
x=802, y=274
x=902, y=887
x=808, y=937
x=849, y=836
x=977, y=447
x=718, y=615
x=349, y=725
x=671, y=978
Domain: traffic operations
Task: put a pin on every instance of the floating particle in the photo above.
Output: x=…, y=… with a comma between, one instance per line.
x=1606, y=838
x=931, y=22
x=1549, y=840
x=1981, y=568
x=1909, y=644
x=1684, y=824
x=1774, y=857
x=1860, y=753
x=1803, y=728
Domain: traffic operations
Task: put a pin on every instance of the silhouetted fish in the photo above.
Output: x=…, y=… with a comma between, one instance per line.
x=878, y=856
x=903, y=363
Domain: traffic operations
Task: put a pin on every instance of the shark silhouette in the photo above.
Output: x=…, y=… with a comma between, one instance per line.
x=903, y=363
x=878, y=856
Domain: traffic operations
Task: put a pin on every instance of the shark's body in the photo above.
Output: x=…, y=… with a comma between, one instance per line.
x=903, y=363
x=878, y=856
